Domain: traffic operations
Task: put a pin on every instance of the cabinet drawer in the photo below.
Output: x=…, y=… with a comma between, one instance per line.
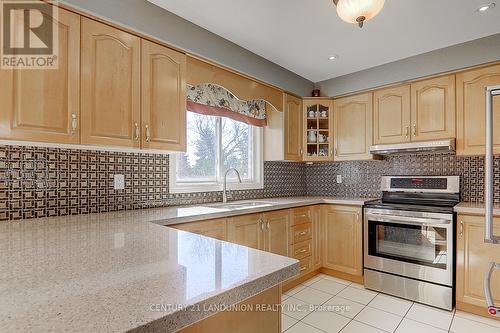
x=305, y=265
x=302, y=249
x=301, y=232
x=301, y=215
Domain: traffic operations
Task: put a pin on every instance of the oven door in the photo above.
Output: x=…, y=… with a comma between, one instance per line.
x=411, y=244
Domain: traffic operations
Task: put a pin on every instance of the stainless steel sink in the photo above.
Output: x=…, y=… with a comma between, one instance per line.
x=241, y=205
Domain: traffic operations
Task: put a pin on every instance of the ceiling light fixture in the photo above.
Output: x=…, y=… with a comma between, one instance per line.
x=333, y=57
x=358, y=11
x=485, y=7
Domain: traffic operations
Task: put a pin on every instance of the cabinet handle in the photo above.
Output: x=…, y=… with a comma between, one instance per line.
x=136, y=131
x=357, y=217
x=414, y=130
x=461, y=228
x=148, y=134
x=407, y=131
x=303, y=233
x=74, y=124
x=336, y=152
x=303, y=268
x=301, y=215
x=268, y=226
x=301, y=152
x=261, y=224
x=301, y=251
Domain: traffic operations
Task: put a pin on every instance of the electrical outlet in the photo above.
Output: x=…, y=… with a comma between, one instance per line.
x=339, y=179
x=119, y=182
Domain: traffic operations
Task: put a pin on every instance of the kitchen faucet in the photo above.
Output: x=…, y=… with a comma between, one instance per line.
x=224, y=190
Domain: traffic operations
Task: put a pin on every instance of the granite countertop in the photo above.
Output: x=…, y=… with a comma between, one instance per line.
x=117, y=271
x=474, y=208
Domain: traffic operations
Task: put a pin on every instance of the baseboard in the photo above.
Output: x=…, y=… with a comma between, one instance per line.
x=295, y=282
x=342, y=275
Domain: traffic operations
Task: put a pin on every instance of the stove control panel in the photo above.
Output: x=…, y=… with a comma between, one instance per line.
x=420, y=183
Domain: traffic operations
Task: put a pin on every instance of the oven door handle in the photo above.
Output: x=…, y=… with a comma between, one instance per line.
x=408, y=220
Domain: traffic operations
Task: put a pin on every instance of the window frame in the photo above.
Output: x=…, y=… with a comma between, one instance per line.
x=257, y=168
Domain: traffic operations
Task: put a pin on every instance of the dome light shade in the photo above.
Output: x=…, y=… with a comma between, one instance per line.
x=358, y=11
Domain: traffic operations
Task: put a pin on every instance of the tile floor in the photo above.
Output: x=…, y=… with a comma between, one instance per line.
x=342, y=306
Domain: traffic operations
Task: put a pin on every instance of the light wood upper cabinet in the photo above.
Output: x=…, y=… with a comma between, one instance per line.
x=353, y=119
x=317, y=119
x=471, y=100
x=111, y=86
x=433, y=109
x=473, y=258
x=211, y=228
x=293, y=128
x=343, y=239
x=276, y=239
x=246, y=230
x=44, y=105
x=392, y=115
x=163, y=98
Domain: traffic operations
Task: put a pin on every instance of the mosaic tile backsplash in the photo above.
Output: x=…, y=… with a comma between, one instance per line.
x=39, y=182
x=362, y=178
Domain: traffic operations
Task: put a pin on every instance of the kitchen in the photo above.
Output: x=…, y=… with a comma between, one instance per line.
x=164, y=167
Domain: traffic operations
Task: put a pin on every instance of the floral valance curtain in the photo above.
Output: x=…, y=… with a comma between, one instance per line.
x=212, y=99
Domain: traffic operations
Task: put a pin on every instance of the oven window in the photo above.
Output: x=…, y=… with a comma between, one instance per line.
x=423, y=245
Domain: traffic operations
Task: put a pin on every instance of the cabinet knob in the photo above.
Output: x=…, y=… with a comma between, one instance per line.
x=414, y=130
x=136, y=131
x=148, y=134
x=74, y=123
x=407, y=133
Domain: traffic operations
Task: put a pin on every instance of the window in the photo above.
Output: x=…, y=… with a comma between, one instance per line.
x=215, y=144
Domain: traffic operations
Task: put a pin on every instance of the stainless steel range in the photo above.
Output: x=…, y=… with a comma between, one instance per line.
x=409, y=239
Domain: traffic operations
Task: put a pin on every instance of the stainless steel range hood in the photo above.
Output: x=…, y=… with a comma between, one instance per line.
x=413, y=147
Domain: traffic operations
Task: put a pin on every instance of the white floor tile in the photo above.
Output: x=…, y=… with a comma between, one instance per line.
x=357, y=286
x=296, y=308
x=335, y=279
x=328, y=286
x=312, y=296
x=462, y=325
x=431, y=316
x=294, y=290
x=300, y=327
x=380, y=319
x=357, y=295
x=312, y=280
x=287, y=322
x=326, y=321
x=410, y=326
x=391, y=304
x=357, y=327
x=484, y=320
x=344, y=307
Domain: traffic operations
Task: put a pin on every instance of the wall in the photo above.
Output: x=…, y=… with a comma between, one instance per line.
x=362, y=178
x=146, y=18
x=39, y=182
x=451, y=58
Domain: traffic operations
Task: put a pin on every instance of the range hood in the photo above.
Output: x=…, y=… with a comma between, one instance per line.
x=413, y=147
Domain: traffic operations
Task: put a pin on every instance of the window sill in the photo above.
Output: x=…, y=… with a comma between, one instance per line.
x=197, y=188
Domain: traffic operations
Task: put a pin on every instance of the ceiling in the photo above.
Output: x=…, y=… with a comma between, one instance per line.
x=301, y=35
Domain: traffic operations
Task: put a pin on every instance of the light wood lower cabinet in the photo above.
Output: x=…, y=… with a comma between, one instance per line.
x=246, y=230
x=163, y=98
x=353, y=119
x=210, y=228
x=471, y=104
x=343, y=239
x=276, y=236
x=473, y=258
x=111, y=86
x=44, y=105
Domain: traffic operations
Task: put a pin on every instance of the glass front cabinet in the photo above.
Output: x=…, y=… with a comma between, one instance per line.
x=317, y=130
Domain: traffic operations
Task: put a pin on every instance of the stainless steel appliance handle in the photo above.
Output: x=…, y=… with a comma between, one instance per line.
x=488, y=167
x=409, y=220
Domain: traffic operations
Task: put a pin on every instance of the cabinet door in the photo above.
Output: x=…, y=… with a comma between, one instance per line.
x=163, y=98
x=471, y=104
x=317, y=130
x=316, y=237
x=211, y=228
x=44, y=105
x=433, y=109
x=293, y=128
x=343, y=249
x=473, y=258
x=353, y=124
x=247, y=230
x=111, y=74
x=392, y=115
x=276, y=236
